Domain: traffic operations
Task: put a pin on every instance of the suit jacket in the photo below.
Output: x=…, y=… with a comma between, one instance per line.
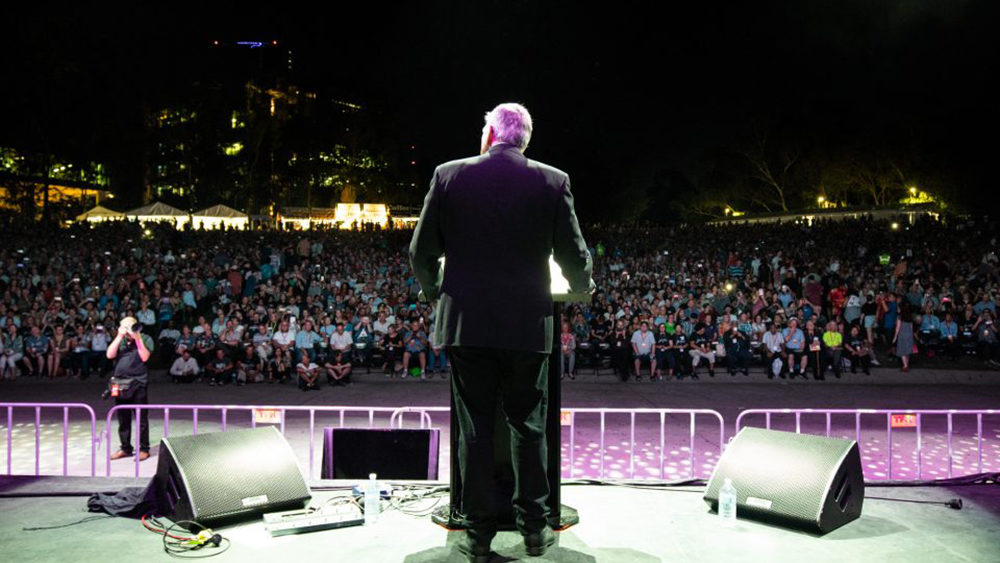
x=497, y=218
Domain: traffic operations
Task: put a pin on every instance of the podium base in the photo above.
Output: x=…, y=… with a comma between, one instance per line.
x=443, y=516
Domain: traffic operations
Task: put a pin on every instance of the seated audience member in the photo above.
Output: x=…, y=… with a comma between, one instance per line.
x=306, y=339
x=643, y=342
x=930, y=329
x=415, y=341
x=662, y=351
x=307, y=372
x=701, y=349
x=857, y=348
x=832, y=350
x=229, y=339
x=338, y=368
x=341, y=340
x=167, y=341
x=36, y=350
x=567, y=350
x=814, y=344
x=364, y=340
x=61, y=348
x=679, y=358
x=186, y=341
x=986, y=337
x=184, y=369
x=283, y=344
x=392, y=346
x=437, y=357
x=773, y=344
x=99, y=341
x=219, y=369
x=794, y=354
x=949, y=336
x=81, y=347
x=12, y=353
x=248, y=366
x=206, y=345
x=737, y=351
x=620, y=350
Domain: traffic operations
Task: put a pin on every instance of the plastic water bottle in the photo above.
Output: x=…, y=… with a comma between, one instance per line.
x=372, y=498
x=727, y=503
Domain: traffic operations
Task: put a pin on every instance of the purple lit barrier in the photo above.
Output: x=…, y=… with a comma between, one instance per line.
x=569, y=418
x=396, y=420
x=570, y=415
x=896, y=420
x=275, y=413
x=38, y=434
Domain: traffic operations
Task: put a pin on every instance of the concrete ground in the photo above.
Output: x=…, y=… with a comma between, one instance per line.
x=617, y=525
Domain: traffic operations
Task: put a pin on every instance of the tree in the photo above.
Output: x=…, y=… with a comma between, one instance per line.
x=771, y=166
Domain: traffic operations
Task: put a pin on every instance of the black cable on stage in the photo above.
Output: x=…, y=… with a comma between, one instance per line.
x=81, y=521
x=955, y=503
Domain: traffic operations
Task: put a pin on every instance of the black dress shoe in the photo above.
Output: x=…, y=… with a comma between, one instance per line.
x=536, y=543
x=477, y=551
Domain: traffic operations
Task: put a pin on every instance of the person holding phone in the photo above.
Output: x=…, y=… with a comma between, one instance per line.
x=130, y=350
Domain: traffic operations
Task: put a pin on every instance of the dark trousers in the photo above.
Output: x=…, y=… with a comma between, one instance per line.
x=834, y=358
x=739, y=359
x=479, y=377
x=125, y=418
x=864, y=361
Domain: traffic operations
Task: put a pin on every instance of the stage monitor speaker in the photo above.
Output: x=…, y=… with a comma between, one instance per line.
x=224, y=477
x=801, y=481
x=390, y=453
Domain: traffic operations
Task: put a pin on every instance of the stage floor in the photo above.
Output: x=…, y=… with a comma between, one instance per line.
x=616, y=524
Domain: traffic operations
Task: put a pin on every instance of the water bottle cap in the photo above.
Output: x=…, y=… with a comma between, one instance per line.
x=372, y=476
x=729, y=481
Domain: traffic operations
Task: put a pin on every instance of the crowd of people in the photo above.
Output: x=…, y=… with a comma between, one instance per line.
x=309, y=307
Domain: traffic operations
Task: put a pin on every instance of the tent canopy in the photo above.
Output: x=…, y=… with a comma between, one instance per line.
x=223, y=211
x=157, y=209
x=100, y=212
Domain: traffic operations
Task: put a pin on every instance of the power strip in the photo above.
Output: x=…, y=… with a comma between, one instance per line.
x=304, y=521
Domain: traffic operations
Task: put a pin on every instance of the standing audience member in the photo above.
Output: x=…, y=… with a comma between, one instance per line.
x=903, y=336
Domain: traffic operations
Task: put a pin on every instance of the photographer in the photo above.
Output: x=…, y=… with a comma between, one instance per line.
x=130, y=351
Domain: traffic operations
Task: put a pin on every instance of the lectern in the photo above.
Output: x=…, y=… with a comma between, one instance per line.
x=452, y=516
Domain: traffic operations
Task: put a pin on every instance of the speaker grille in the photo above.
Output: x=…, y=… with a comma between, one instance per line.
x=237, y=472
x=793, y=478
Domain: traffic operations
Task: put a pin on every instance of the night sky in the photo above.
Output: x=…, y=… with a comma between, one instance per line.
x=615, y=92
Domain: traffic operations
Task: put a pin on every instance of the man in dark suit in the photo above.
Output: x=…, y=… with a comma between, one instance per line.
x=497, y=218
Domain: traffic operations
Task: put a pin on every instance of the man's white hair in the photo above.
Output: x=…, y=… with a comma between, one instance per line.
x=511, y=123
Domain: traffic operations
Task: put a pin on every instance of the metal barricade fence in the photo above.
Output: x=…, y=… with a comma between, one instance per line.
x=38, y=408
x=395, y=418
x=917, y=422
x=602, y=413
x=805, y=420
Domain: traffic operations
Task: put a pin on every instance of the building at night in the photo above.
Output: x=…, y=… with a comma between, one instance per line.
x=34, y=183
